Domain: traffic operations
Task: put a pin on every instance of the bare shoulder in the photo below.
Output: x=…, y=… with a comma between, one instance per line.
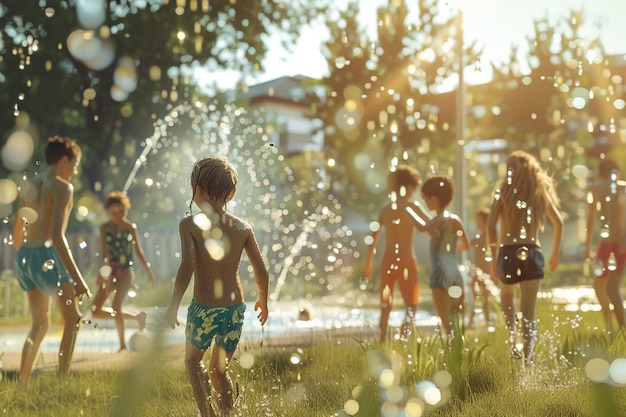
x=238, y=223
x=186, y=223
x=456, y=221
x=128, y=225
x=59, y=185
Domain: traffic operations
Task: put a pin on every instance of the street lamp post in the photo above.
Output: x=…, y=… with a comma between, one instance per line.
x=461, y=115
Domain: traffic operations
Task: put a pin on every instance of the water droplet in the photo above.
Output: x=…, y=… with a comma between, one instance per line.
x=105, y=271
x=522, y=253
x=604, y=231
x=598, y=269
x=296, y=358
x=363, y=282
x=455, y=291
x=520, y=204
x=48, y=265
x=246, y=360
x=522, y=233
x=611, y=264
x=488, y=254
x=68, y=302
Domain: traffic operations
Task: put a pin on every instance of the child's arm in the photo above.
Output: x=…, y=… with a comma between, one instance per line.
x=557, y=221
x=492, y=235
x=419, y=217
x=462, y=242
x=183, y=276
x=261, y=276
x=140, y=254
x=63, y=194
x=18, y=228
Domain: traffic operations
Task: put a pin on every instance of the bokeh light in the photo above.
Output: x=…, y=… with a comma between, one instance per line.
x=18, y=150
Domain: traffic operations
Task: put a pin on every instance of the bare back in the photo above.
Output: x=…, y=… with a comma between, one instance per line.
x=52, y=199
x=399, y=229
x=510, y=232
x=214, y=256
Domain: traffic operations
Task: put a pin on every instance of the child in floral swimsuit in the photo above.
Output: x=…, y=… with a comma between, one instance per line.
x=119, y=240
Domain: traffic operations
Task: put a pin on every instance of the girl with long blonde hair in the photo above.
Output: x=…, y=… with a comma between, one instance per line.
x=522, y=201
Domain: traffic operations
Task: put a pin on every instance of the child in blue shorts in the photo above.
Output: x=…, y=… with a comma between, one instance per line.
x=212, y=242
x=45, y=266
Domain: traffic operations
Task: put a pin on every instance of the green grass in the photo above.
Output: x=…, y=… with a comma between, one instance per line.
x=474, y=376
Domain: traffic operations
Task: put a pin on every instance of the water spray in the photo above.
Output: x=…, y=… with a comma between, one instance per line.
x=150, y=143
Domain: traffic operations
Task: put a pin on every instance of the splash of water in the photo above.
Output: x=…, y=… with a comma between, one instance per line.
x=151, y=142
x=307, y=227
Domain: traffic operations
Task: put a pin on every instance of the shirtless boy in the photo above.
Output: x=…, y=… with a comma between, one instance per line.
x=45, y=266
x=398, y=263
x=606, y=200
x=216, y=312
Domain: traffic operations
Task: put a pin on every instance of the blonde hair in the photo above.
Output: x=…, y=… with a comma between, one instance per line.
x=527, y=188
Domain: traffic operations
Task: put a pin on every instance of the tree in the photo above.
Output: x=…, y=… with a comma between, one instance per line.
x=54, y=73
x=382, y=103
x=565, y=110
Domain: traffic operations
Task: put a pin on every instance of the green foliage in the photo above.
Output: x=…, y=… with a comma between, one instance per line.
x=320, y=380
x=51, y=92
x=380, y=102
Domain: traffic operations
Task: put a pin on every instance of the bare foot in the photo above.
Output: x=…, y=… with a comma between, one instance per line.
x=141, y=320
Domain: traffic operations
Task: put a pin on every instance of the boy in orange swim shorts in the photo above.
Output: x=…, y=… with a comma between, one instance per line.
x=398, y=263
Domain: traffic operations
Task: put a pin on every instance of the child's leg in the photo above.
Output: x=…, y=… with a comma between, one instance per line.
x=218, y=370
x=67, y=303
x=409, y=319
x=40, y=314
x=386, y=304
x=199, y=379
x=443, y=307
x=528, y=303
x=600, y=287
x=484, y=293
x=410, y=295
x=507, y=299
x=613, y=291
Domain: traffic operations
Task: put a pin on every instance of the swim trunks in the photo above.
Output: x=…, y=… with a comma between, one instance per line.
x=40, y=268
x=222, y=323
x=403, y=270
x=115, y=276
x=444, y=267
x=605, y=249
x=520, y=262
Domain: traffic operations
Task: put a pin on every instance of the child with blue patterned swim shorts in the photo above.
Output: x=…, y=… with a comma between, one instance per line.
x=45, y=266
x=212, y=243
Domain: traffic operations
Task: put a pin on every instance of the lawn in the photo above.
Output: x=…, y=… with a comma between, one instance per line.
x=579, y=371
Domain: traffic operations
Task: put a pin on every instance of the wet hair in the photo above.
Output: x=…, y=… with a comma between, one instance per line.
x=116, y=197
x=605, y=168
x=527, y=184
x=403, y=176
x=60, y=146
x=440, y=186
x=215, y=176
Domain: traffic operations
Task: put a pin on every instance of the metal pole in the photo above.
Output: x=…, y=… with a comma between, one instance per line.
x=461, y=115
